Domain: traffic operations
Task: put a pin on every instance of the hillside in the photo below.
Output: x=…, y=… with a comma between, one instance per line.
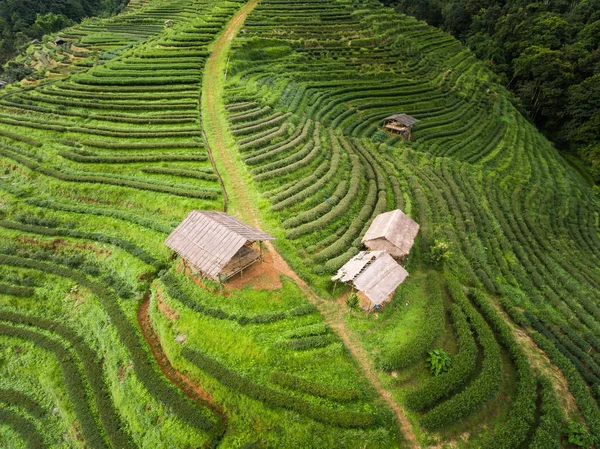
x=272, y=111
x=546, y=53
x=24, y=24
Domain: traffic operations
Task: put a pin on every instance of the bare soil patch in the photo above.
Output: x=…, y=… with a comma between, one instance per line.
x=258, y=276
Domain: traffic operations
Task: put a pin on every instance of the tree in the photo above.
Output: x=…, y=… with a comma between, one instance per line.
x=16, y=71
x=541, y=78
x=50, y=23
x=456, y=19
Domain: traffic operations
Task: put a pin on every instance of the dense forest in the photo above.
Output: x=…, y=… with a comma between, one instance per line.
x=22, y=21
x=546, y=53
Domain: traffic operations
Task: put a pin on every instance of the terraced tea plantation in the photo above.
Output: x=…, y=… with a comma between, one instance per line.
x=273, y=111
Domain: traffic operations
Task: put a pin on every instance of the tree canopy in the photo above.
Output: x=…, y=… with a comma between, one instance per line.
x=21, y=21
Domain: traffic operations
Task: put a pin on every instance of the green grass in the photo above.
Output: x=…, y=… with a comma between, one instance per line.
x=99, y=164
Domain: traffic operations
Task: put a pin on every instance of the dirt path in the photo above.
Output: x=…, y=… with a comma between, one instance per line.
x=213, y=110
x=540, y=361
x=239, y=195
x=191, y=389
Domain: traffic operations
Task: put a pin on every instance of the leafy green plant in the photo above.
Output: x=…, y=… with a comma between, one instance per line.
x=438, y=361
x=352, y=301
x=440, y=251
x=578, y=435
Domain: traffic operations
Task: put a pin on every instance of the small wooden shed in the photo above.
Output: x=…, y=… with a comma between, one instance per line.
x=375, y=274
x=3, y=84
x=400, y=124
x=59, y=42
x=393, y=232
x=216, y=245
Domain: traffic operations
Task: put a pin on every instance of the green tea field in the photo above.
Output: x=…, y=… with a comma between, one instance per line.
x=272, y=110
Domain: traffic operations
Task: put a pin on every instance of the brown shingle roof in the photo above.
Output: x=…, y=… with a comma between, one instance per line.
x=394, y=227
x=374, y=273
x=209, y=239
x=405, y=119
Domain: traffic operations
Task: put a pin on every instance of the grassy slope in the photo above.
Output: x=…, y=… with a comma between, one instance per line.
x=463, y=184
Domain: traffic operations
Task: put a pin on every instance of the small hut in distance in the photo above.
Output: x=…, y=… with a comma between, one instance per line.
x=216, y=245
x=400, y=124
x=393, y=232
x=375, y=274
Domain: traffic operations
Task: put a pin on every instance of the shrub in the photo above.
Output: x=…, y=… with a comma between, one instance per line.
x=275, y=398
x=331, y=392
x=416, y=348
x=437, y=388
x=352, y=301
x=577, y=435
x=481, y=389
x=314, y=342
x=438, y=361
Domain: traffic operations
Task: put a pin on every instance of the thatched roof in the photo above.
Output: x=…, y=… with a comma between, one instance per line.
x=209, y=240
x=393, y=231
x=404, y=119
x=375, y=273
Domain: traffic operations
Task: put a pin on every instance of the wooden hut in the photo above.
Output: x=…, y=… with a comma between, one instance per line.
x=216, y=245
x=375, y=274
x=3, y=84
x=60, y=42
x=400, y=124
x=393, y=232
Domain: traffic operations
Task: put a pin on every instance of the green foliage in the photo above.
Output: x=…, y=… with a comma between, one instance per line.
x=331, y=392
x=94, y=148
x=21, y=22
x=545, y=53
x=418, y=346
x=432, y=390
x=313, y=342
x=440, y=252
x=481, y=389
x=438, y=361
x=156, y=385
x=577, y=435
x=50, y=23
x=176, y=292
x=273, y=397
x=352, y=302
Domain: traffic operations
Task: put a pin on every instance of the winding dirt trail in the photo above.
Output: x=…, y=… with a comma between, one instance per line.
x=191, y=389
x=240, y=197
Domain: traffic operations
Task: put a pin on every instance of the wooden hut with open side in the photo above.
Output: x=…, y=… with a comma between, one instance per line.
x=400, y=124
x=393, y=232
x=216, y=245
x=375, y=274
